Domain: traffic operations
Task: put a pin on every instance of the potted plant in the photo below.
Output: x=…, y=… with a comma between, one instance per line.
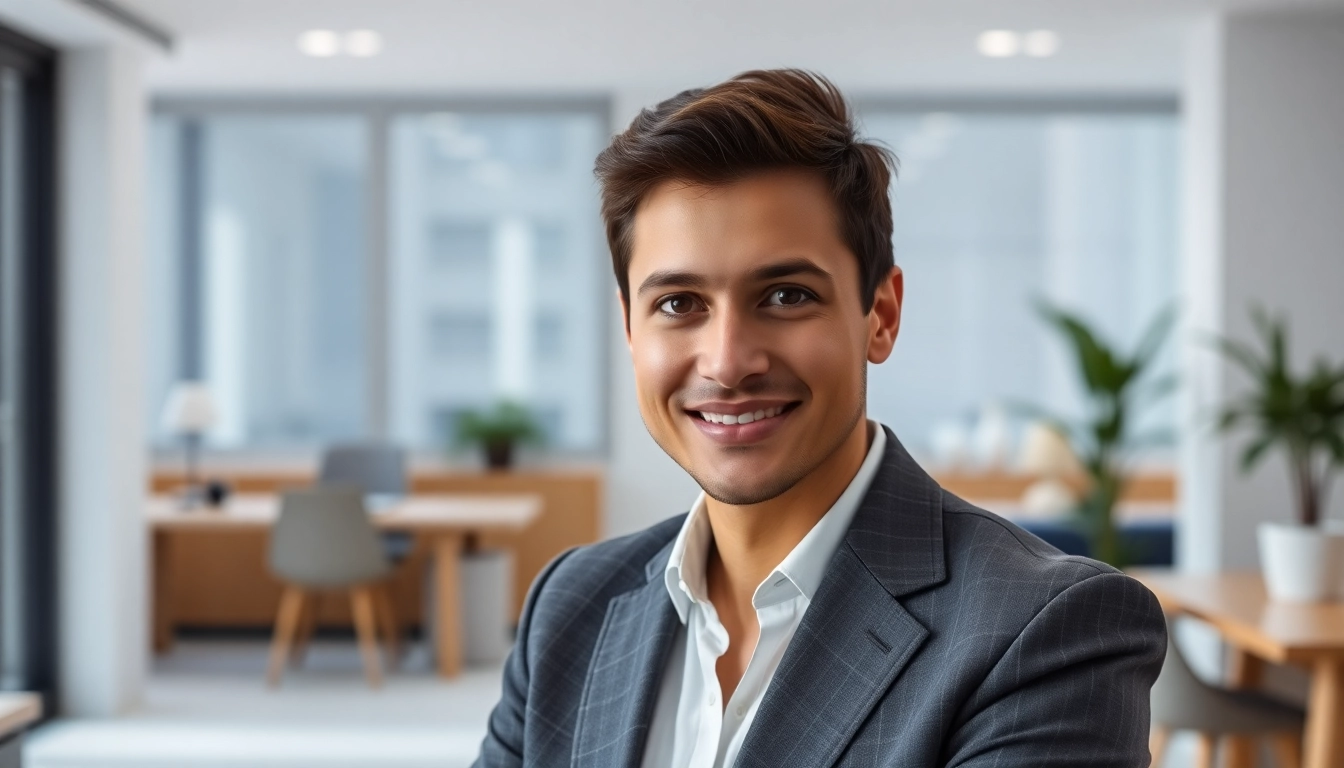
x=1116, y=387
x=497, y=431
x=1304, y=416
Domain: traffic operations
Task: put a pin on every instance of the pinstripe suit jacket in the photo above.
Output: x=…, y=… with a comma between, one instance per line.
x=941, y=635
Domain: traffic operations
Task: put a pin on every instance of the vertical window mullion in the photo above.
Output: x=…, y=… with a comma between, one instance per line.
x=377, y=323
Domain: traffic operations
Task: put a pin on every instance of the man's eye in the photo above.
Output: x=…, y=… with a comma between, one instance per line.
x=788, y=297
x=677, y=305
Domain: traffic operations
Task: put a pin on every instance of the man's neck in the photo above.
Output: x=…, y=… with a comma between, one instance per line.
x=750, y=541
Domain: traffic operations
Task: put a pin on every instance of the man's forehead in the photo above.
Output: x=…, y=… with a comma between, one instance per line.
x=726, y=230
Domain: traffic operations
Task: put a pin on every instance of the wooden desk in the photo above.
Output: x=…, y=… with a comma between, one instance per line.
x=18, y=711
x=221, y=575
x=1259, y=630
x=446, y=521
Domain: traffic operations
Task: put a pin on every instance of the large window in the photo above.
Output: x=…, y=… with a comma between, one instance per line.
x=359, y=271
x=997, y=206
x=27, y=367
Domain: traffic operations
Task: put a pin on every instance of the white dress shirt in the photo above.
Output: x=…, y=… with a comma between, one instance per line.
x=691, y=726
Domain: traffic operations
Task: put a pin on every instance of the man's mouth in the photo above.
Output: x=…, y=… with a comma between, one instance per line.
x=740, y=424
x=746, y=417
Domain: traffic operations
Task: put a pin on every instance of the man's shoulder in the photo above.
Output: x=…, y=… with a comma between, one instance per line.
x=1004, y=548
x=997, y=566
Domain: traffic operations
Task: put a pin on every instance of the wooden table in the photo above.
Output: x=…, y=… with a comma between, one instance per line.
x=1259, y=630
x=448, y=521
x=18, y=711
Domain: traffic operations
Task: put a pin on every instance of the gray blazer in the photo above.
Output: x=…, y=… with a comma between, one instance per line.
x=941, y=635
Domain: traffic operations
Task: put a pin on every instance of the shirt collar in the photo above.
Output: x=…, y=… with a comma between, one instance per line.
x=801, y=570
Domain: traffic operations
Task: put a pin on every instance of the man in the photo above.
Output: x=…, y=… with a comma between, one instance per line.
x=824, y=602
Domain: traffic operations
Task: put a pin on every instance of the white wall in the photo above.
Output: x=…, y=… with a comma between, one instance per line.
x=1264, y=110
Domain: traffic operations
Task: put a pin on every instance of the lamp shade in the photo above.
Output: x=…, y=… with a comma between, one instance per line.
x=1046, y=452
x=190, y=408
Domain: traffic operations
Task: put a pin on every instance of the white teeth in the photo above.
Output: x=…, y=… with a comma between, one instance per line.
x=745, y=418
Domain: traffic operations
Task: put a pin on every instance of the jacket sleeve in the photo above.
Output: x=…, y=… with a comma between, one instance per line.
x=503, y=745
x=1073, y=689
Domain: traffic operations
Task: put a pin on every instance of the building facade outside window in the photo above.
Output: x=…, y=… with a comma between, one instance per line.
x=998, y=205
x=374, y=271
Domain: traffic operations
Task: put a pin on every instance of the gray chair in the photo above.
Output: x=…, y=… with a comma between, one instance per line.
x=323, y=542
x=376, y=469
x=1183, y=702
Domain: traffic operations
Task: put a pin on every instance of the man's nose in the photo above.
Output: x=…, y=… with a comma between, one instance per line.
x=731, y=349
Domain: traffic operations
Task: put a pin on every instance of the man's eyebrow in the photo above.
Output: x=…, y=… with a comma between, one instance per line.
x=672, y=278
x=789, y=268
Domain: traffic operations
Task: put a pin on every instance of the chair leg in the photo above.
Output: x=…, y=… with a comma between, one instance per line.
x=286, y=624
x=1207, y=750
x=1287, y=750
x=307, y=625
x=1157, y=744
x=361, y=603
x=388, y=618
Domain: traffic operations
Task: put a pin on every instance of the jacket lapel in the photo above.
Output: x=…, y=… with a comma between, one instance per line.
x=625, y=674
x=855, y=638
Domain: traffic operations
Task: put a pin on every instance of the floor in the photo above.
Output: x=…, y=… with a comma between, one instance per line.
x=206, y=706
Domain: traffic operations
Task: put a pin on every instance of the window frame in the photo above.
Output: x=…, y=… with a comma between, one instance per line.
x=33, y=666
x=378, y=113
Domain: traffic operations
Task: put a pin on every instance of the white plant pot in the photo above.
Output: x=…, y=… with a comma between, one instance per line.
x=1302, y=564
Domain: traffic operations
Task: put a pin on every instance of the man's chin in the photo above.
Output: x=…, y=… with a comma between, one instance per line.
x=731, y=491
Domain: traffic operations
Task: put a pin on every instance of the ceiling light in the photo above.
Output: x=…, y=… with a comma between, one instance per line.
x=363, y=43
x=320, y=42
x=1040, y=43
x=998, y=43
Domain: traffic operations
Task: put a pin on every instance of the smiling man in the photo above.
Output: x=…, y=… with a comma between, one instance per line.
x=824, y=602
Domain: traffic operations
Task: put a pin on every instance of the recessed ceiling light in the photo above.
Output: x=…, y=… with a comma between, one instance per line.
x=320, y=42
x=1040, y=43
x=998, y=43
x=363, y=43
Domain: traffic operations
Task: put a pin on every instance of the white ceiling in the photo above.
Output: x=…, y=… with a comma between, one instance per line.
x=645, y=48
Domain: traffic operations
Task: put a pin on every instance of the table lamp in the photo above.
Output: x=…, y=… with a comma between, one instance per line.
x=190, y=412
x=1047, y=454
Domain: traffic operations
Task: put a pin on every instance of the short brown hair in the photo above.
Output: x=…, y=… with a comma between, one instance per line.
x=760, y=120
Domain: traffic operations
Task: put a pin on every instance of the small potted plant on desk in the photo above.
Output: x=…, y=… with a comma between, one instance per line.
x=498, y=430
x=1303, y=415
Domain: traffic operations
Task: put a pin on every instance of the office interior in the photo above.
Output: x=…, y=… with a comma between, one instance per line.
x=260, y=255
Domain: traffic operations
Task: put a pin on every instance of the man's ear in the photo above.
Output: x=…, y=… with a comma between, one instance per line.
x=625, y=313
x=884, y=319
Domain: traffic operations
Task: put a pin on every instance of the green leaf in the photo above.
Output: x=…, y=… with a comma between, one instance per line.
x=1242, y=355
x=1255, y=451
x=1151, y=341
x=1095, y=362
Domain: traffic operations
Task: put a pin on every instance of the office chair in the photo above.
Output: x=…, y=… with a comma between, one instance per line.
x=324, y=542
x=1183, y=702
x=376, y=469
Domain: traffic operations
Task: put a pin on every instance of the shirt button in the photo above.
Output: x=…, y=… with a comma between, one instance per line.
x=741, y=710
x=713, y=698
